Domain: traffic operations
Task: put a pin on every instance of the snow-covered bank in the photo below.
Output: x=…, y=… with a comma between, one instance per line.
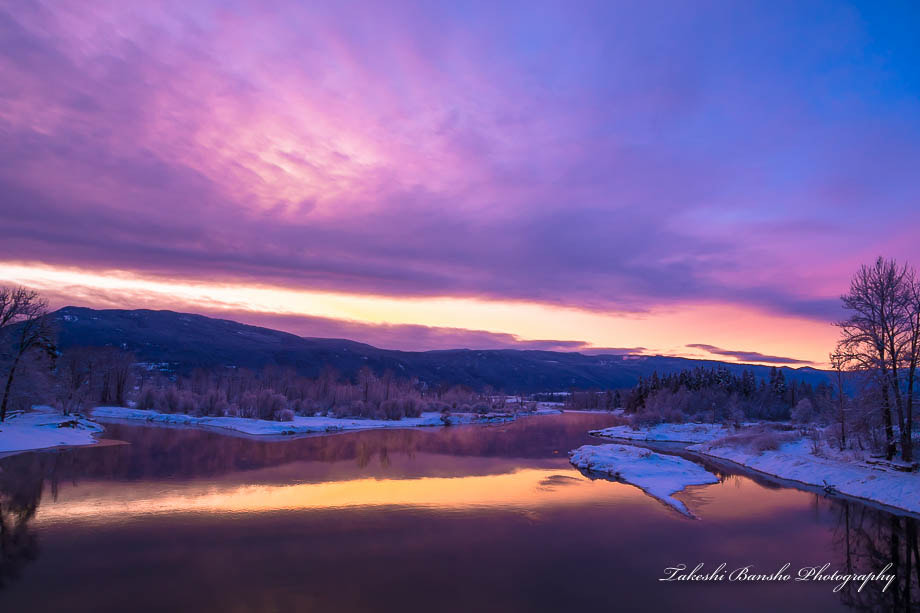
x=795, y=461
x=788, y=455
x=300, y=423
x=42, y=428
x=679, y=433
x=658, y=475
x=617, y=412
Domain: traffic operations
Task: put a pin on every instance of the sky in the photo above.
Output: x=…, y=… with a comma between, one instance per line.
x=680, y=178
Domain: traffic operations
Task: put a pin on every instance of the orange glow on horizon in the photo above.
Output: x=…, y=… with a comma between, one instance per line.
x=665, y=331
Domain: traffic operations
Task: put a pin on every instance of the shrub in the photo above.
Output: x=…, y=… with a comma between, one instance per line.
x=212, y=403
x=436, y=406
x=147, y=400
x=481, y=408
x=268, y=404
x=187, y=402
x=391, y=409
x=411, y=407
x=167, y=401
x=656, y=414
x=757, y=439
x=247, y=405
x=803, y=412
x=356, y=408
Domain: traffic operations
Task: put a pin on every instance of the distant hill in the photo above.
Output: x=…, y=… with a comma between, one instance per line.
x=187, y=341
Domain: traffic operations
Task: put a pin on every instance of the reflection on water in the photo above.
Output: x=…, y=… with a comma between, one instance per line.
x=870, y=539
x=20, y=494
x=461, y=518
x=521, y=489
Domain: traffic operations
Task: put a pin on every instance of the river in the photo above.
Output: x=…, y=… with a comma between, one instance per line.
x=464, y=518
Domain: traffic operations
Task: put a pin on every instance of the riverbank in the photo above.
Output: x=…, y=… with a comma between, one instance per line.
x=305, y=424
x=44, y=428
x=797, y=460
x=667, y=433
x=787, y=455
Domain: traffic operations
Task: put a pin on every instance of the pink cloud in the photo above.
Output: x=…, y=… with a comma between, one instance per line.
x=603, y=158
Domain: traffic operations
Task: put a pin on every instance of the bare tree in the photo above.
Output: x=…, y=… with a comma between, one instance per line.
x=838, y=362
x=115, y=373
x=864, y=345
x=881, y=338
x=74, y=379
x=12, y=302
x=24, y=328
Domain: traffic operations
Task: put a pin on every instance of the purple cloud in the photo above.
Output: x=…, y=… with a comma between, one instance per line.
x=748, y=356
x=399, y=336
x=604, y=158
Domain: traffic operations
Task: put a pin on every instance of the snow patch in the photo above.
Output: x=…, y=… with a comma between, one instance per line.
x=44, y=427
x=678, y=433
x=658, y=475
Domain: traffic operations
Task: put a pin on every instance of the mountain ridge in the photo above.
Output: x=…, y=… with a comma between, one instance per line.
x=187, y=341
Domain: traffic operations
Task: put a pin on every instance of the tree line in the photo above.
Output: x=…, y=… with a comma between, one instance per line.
x=278, y=393
x=710, y=394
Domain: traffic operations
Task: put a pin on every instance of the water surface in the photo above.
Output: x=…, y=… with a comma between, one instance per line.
x=466, y=518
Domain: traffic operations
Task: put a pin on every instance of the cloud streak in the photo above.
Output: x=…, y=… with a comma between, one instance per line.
x=748, y=356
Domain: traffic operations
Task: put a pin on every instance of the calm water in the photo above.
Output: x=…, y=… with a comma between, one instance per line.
x=456, y=519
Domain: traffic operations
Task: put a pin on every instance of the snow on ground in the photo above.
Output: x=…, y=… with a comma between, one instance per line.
x=44, y=427
x=617, y=412
x=301, y=424
x=680, y=433
x=545, y=408
x=794, y=461
x=657, y=474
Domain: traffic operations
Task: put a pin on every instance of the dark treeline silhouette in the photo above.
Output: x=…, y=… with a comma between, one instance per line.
x=715, y=394
x=711, y=394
